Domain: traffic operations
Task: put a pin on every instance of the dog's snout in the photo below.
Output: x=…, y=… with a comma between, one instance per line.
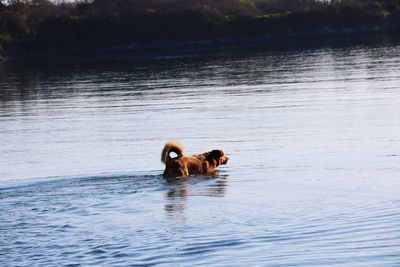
x=225, y=159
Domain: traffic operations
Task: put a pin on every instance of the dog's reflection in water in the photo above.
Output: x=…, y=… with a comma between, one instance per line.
x=213, y=185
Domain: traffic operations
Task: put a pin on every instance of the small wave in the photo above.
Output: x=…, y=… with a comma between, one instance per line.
x=97, y=251
x=194, y=248
x=71, y=180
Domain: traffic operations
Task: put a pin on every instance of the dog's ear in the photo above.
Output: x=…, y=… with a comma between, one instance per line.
x=217, y=153
x=219, y=157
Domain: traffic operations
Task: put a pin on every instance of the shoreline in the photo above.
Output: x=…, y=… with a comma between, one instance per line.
x=31, y=29
x=144, y=50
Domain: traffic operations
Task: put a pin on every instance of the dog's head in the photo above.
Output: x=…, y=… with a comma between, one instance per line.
x=218, y=156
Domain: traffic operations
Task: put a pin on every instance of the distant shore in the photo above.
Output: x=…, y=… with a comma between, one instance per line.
x=43, y=29
x=156, y=49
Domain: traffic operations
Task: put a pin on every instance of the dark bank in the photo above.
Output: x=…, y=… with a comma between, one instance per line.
x=42, y=27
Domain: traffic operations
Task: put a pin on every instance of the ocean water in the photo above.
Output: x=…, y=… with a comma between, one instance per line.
x=312, y=132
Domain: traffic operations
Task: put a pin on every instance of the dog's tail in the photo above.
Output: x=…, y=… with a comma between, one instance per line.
x=171, y=146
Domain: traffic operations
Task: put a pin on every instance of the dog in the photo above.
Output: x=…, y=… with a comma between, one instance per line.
x=183, y=165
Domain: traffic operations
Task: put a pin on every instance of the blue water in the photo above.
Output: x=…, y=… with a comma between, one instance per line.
x=313, y=136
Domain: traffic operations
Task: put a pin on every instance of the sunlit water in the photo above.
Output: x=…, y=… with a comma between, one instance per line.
x=313, y=135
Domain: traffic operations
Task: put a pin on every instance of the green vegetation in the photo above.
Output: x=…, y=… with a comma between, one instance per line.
x=37, y=26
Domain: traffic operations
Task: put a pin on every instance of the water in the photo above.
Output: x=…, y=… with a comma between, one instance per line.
x=313, y=136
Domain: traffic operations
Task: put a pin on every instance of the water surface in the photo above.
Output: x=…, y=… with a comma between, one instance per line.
x=313, y=135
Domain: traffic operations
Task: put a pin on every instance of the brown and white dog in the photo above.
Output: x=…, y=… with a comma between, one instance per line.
x=183, y=165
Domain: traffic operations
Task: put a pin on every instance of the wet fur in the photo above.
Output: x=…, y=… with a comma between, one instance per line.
x=183, y=165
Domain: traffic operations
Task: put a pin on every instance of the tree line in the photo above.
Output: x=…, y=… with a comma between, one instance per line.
x=42, y=25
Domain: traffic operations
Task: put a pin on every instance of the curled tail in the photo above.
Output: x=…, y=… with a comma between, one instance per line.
x=171, y=146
